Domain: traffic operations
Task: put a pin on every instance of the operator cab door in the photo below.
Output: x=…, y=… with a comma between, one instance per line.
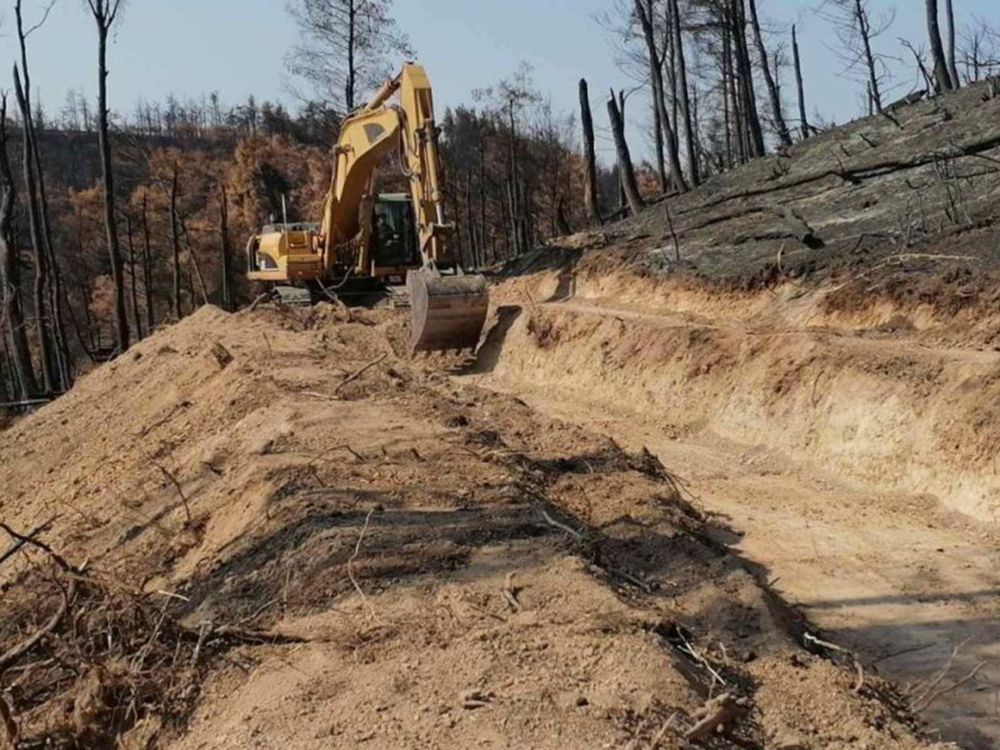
x=394, y=236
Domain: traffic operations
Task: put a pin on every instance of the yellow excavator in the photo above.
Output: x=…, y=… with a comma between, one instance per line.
x=365, y=238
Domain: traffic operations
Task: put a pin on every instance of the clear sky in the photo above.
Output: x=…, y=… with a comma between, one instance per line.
x=236, y=47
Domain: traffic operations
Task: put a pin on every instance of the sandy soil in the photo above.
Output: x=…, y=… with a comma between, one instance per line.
x=844, y=455
x=274, y=531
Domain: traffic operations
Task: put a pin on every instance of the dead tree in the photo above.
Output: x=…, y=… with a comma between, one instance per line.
x=175, y=240
x=133, y=293
x=45, y=346
x=147, y=264
x=683, y=95
x=800, y=86
x=769, y=79
x=753, y=134
x=942, y=76
x=949, y=9
x=625, y=168
x=105, y=13
x=51, y=317
x=13, y=313
x=857, y=29
x=644, y=13
x=228, y=299
x=589, y=155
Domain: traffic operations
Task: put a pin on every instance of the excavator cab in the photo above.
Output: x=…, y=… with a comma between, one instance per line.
x=394, y=241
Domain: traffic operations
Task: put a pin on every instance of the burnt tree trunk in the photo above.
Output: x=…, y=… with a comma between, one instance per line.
x=625, y=168
x=800, y=86
x=147, y=267
x=13, y=312
x=769, y=79
x=176, y=242
x=942, y=77
x=744, y=72
x=590, y=200
x=105, y=12
x=133, y=294
x=949, y=11
x=228, y=298
x=46, y=349
x=694, y=174
x=644, y=13
x=352, y=36
x=864, y=29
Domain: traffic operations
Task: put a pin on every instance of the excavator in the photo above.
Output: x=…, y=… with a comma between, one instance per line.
x=365, y=238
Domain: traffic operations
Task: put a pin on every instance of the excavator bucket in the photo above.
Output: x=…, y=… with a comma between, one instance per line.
x=448, y=312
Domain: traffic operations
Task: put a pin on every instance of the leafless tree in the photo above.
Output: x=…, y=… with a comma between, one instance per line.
x=106, y=13
x=347, y=47
x=175, y=240
x=644, y=13
x=10, y=293
x=981, y=49
x=800, y=85
x=683, y=94
x=589, y=155
x=625, y=167
x=857, y=28
x=228, y=299
x=952, y=34
x=769, y=78
x=942, y=74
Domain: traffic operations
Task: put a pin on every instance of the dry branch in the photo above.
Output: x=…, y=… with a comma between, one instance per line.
x=19, y=543
x=8, y=724
x=29, y=539
x=351, y=378
x=26, y=645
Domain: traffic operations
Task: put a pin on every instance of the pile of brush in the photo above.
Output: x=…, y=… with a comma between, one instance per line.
x=84, y=661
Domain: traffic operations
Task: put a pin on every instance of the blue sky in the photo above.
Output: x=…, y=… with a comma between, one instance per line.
x=193, y=47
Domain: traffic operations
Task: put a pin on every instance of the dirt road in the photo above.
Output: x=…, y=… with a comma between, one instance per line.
x=909, y=584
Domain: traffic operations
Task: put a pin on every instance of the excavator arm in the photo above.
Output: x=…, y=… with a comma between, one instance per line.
x=366, y=138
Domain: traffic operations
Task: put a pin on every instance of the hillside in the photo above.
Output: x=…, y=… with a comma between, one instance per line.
x=747, y=498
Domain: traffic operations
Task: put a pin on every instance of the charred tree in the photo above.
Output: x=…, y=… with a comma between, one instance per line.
x=45, y=345
x=133, y=283
x=769, y=79
x=590, y=200
x=228, y=298
x=942, y=76
x=644, y=12
x=147, y=265
x=175, y=240
x=625, y=168
x=105, y=13
x=683, y=96
x=13, y=312
x=949, y=11
x=800, y=86
x=744, y=77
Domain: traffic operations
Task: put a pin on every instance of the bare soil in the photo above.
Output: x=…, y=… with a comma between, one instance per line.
x=851, y=451
x=265, y=548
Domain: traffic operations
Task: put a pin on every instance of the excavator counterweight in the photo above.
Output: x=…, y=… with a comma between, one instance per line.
x=365, y=237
